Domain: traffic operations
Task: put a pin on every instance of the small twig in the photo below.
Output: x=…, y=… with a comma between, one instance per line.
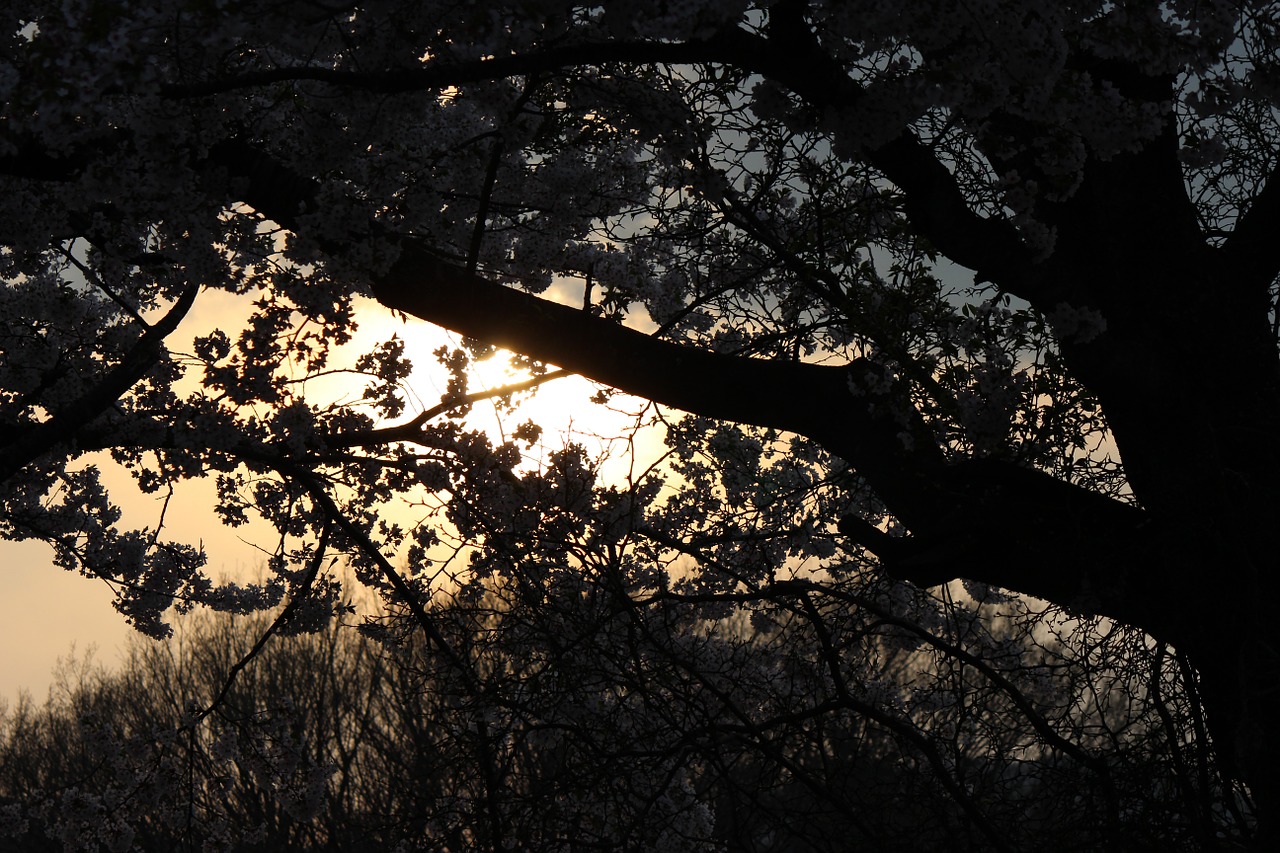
x=412, y=429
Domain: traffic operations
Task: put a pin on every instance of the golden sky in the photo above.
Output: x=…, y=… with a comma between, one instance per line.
x=49, y=609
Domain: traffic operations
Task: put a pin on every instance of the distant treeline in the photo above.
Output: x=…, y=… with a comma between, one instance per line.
x=577, y=728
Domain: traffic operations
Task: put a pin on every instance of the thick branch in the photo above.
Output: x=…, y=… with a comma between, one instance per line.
x=1050, y=530
x=38, y=439
x=1251, y=248
x=937, y=206
x=1024, y=530
x=878, y=432
x=803, y=398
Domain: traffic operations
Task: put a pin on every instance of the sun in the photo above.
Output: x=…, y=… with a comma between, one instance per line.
x=563, y=406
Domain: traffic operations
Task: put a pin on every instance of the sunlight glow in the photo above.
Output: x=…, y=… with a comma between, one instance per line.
x=563, y=407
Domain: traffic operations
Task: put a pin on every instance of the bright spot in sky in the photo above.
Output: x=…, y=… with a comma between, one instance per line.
x=50, y=609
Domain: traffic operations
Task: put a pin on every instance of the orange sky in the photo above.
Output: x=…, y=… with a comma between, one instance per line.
x=49, y=609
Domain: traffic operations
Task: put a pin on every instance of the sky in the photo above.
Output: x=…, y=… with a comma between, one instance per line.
x=52, y=612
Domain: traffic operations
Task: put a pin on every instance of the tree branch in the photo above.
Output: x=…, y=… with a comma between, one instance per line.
x=300, y=594
x=803, y=398
x=1023, y=530
x=38, y=439
x=790, y=55
x=957, y=513
x=934, y=201
x=412, y=429
x=1250, y=250
x=877, y=431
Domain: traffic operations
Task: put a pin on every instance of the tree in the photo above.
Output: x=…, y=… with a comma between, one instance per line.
x=773, y=212
x=337, y=741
